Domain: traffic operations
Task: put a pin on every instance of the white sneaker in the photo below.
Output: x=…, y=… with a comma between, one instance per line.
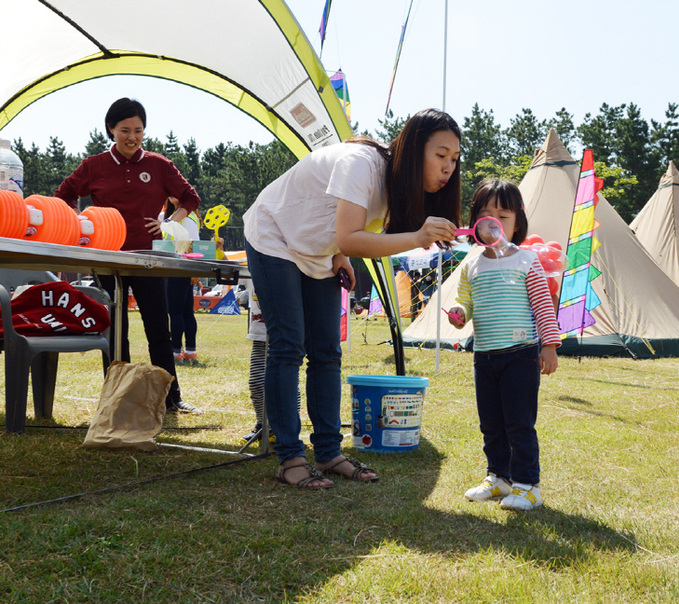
x=490, y=489
x=522, y=497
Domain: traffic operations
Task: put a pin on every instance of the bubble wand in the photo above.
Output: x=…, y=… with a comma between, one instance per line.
x=487, y=231
x=214, y=218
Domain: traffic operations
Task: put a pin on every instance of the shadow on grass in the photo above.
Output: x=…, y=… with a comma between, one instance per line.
x=623, y=384
x=594, y=413
x=237, y=535
x=545, y=536
x=572, y=399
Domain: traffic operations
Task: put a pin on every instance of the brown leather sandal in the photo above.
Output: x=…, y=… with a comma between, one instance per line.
x=304, y=483
x=359, y=469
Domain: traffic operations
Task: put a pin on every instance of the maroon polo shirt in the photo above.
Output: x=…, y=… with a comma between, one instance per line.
x=137, y=188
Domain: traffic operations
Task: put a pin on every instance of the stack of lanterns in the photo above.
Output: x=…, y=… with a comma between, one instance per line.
x=51, y=220
x=551, y=257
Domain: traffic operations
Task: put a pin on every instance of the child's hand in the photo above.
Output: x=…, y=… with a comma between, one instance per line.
x=548, y=359
x=456, y=316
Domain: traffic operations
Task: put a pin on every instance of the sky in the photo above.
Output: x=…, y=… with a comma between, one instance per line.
x=539, y=54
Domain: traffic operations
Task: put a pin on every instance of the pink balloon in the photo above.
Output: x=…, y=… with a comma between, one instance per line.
x=531, y=239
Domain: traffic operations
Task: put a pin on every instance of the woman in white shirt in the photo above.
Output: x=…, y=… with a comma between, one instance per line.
x=335, y=203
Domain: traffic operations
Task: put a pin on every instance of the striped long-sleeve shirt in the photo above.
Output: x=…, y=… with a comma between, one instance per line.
x=509, y=300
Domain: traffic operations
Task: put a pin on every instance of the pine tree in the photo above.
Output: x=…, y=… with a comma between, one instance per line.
x=564, y=127
x=525, y=133
x=98, y=143
x=665, y=138
x=599, y=133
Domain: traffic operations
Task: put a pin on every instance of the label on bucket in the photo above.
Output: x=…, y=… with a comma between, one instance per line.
x=400, y=438
x=386, y=419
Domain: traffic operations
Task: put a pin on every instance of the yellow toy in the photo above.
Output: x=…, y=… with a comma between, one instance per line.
x=214, y=218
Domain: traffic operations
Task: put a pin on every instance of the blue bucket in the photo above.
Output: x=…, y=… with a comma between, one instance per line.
x=386, y=412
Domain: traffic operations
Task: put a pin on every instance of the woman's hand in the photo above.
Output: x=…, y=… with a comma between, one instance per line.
x=153, y=225
x=341, y=261
x=436, y=230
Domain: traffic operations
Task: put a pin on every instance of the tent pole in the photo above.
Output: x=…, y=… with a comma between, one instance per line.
x=439, y=272
x=445, y=52
x=439, y=275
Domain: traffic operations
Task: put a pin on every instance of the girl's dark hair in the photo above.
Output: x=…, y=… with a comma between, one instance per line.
x=121, y=110
x=407, y=202
x=505, y=195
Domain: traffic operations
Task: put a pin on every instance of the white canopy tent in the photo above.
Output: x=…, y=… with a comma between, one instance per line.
x=657, y=225
x=638, y=315
x=250, y=53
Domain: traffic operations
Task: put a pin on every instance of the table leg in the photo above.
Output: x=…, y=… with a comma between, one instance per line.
x=119, y=301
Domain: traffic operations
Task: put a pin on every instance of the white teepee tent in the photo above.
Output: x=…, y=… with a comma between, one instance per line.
x=638, y=315
x=657, y=225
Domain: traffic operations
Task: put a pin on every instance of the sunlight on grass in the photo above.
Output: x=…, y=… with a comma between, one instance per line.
x=608, y=532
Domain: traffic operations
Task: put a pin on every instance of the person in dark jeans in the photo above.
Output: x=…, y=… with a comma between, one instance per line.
x=154, y=316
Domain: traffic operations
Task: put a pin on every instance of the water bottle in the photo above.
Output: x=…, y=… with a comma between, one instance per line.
x=11, y=169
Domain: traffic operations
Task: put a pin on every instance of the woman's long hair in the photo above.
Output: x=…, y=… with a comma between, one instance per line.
x=407, y=202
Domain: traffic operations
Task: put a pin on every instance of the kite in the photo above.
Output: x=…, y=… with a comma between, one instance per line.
x=577, y=299
x=398, y=56
x=339, y=83
x=324, y=23
x=344, y=316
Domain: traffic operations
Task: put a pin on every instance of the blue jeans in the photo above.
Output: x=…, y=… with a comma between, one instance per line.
x=302, y=317
x=507, y=387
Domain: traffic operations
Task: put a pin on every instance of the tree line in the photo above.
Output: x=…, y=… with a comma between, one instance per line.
x=631, y=155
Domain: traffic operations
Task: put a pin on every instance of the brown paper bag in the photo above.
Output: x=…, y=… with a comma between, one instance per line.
x=131, y=408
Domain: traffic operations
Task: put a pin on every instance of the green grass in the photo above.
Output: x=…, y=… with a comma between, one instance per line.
x=608, y=532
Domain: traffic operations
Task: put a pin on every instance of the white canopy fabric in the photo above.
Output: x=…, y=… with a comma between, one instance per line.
x=251, y=53
x=657, y=225
x=638, y=315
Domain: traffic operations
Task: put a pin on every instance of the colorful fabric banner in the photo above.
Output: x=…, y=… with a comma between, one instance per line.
x=344, y=316
x=324, y=23
x=339, y=83
x=578, y=299
x=375, y=303
x=398, y=56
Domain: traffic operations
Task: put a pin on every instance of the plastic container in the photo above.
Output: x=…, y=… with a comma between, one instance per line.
x=386, y=412
x=14, y=215
x=11, y=169
x=58, y=224
x=109, y=231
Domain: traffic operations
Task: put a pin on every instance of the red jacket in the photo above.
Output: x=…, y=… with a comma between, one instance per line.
x=137, y=188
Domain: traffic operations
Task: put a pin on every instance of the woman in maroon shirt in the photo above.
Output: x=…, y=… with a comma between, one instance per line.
x=136, y=183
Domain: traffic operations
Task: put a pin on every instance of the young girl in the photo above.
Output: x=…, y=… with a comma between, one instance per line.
x=508, y=297
x=257, y=333
x=299, y=233
x=180, y=294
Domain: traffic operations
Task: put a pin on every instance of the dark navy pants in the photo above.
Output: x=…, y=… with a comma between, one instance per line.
x=507, y=385
x=180, y=306
x=149, y=292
